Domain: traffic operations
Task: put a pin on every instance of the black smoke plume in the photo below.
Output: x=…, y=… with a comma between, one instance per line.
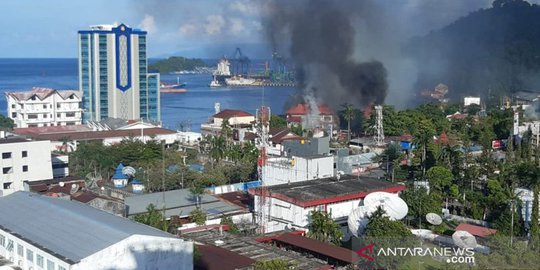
x=319, y=37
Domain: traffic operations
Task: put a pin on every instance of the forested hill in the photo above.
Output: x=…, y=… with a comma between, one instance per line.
x=495, y=50
x=176, y=63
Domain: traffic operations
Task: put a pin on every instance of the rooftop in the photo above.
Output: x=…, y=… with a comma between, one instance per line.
x=179, y=202
x=96, y=135
x=43, y=93
x=13, y=140
x=329, y=190
x=344, y=255
x=216, y=258
x=226, y=114
x=69, y=230
x=476, y=230
x=302, y=109
x=249, y=247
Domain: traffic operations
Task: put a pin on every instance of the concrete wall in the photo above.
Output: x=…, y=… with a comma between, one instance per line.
x=38, y=160
x=283, y=170
x=142, y=252
x=235, y=120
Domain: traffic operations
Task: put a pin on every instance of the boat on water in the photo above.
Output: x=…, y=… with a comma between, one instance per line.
x=214, y=83
x=173, y=88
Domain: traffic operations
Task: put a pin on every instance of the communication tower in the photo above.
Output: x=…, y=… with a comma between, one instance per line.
x=379, y=135
x=263, y=126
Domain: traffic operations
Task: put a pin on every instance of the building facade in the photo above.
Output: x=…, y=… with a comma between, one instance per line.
x=44, y=107
x=72, y=235
x=22, y=160
x=113, y=74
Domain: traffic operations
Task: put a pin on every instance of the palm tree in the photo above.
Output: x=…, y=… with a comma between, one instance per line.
x=217, y=148
x=513, y=197
x=348, y=114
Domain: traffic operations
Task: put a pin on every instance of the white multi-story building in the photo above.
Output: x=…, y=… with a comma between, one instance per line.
x=113, y=74
x=283, y=170
x=289, y=205
x=42, y=107
x=40, y=232
x=23, y=160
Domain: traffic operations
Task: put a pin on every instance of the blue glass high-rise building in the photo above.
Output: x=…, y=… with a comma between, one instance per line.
x=113, y=74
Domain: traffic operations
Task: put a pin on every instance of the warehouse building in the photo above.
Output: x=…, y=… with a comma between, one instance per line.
x=40, y=232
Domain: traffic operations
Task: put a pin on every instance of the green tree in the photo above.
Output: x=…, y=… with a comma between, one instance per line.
x=6, y=123
x=274, y=264
x=423, y=136
x=153, y=217
x=218, y=148
x=440, y=178
x=277, y=121
x=323, y=228
x=420, y=202
x=387, y=233
x=233, y=228
x=197, y=216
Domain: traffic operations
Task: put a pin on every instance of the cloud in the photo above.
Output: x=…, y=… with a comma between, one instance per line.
x=188, y=29
x=214, y=24
x=244, y=7
x=236, y=25
x=148, y=24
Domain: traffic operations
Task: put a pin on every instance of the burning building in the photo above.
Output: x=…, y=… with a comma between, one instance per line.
x=313, y=117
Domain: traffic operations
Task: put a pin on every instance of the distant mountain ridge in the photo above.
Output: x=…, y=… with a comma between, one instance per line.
x=494, y=50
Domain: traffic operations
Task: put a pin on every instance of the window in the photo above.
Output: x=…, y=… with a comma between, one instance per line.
x=24, y=153
x=44, y=106
x=29, y=255
x=20, y=250
x=50, y=265
x=7, y=170
x=6, y=155
x=13, y=106
x=44, y=116
x=13, y=115
x=61, y=268
x=32, y=116
x=2, y=240
x=7, y=185
x=39, y=260
x=58, y=115
x=25, y=168
x=10, y=245
x=71, y=114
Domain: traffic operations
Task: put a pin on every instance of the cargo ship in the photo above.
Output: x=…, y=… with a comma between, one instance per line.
x=173, y=88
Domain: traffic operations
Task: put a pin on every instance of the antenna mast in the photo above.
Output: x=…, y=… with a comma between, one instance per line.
x=263, y=125
x=379, y=136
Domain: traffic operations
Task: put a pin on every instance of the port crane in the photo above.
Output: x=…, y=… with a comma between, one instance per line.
x=240, y=63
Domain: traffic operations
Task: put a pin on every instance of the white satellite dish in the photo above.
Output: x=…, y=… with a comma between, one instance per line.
x=358, y=220
x=61, y=184
x=464, y=239
x=395, y=207
x=74, y=188
x=128, y=170
x=434, y=219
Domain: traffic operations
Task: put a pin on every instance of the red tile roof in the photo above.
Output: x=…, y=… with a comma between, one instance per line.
x=302, y=109
x=226, y=114
x=476, y=230
x=217, y=258
x=294, y=119
x=335, y=252
x=49, y=130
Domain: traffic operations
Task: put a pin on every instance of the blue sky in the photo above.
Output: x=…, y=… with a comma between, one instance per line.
x=193, y=28
x=48, y=28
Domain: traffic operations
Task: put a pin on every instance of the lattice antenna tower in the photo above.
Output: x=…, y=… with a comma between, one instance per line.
x=379, y=129
x=263, y=126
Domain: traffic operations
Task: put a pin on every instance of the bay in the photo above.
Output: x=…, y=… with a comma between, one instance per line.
x=178, y=110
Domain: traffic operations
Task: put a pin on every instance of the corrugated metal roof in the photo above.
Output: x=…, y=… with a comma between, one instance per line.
x=69, y=230
x=178, y=202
